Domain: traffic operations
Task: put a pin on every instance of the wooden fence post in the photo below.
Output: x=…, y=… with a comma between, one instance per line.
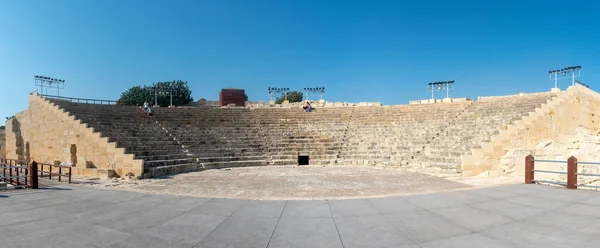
x=572, y=173
x=10, y=167
x=33, y=173
x=529, y=169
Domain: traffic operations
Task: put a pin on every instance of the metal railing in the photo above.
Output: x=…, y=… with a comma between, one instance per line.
x=82, y=100
x=19, y=173
x=571, y=172
x=60, y=171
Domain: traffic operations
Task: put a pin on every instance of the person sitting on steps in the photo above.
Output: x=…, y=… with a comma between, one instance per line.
x=307, y=107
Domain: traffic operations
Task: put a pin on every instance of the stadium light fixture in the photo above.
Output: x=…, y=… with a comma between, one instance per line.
x=277, y=90
x=555, y=75
x=319, y=90
x=439, y=86
x=49, y=82
x=169, y=90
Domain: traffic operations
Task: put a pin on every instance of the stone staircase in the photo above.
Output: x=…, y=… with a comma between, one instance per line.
x=473, y=126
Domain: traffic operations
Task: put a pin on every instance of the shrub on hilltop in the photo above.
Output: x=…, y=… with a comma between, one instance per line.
x=292, y=96
x=137, y=95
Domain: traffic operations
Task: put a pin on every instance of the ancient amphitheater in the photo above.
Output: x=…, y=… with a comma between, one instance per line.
x=377, y=176
x=446, y=138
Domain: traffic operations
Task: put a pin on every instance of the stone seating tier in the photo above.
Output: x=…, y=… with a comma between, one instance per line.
x=426, y=137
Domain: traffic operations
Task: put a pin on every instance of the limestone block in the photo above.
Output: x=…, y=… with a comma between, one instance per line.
x=107, y=173
x=90, y=165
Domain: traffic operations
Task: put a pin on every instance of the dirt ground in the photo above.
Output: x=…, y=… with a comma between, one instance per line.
x=293, y=182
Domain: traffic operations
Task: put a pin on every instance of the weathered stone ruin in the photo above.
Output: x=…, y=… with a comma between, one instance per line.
x=443, y=138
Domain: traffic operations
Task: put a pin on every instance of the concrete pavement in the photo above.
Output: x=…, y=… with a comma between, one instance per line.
x=507, y=216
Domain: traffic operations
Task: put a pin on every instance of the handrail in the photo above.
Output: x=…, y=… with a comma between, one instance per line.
x=571, y=172
x=23, y=174
x=588, y=186
x=20, y=173
x=60, y=173
x=588, y=174
x=82, y=100
x=552, y=172
x=551, y=182
x=589, y=163
x=582, y=84
x=549, y=161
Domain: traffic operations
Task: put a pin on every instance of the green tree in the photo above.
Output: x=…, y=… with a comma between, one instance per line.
x=137, y=95
x=245, y=97
x=2, y=127
x=292, y=96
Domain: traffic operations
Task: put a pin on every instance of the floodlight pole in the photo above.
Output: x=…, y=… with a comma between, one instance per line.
x=155, y=97
x=50, y=82
x=447, y=91
x=432, y=97
x=564, y=72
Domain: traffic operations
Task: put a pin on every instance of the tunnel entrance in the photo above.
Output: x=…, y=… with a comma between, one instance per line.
x=303, y=158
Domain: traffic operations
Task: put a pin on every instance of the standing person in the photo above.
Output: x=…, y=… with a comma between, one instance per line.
x=150, y=113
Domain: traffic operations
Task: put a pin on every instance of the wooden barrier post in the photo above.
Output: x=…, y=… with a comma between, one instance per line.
x=572, y=173
x=26, y=171
x=17, y=169
x=34, y=175
x=10, y=167
x=529, y=169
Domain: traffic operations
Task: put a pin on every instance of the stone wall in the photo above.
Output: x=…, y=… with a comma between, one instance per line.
x=578, y=107
x=45, y=133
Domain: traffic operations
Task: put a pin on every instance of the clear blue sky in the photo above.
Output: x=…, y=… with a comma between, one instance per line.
x=359, y=50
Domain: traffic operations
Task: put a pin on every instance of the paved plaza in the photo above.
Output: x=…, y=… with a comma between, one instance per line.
x=507, y=216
